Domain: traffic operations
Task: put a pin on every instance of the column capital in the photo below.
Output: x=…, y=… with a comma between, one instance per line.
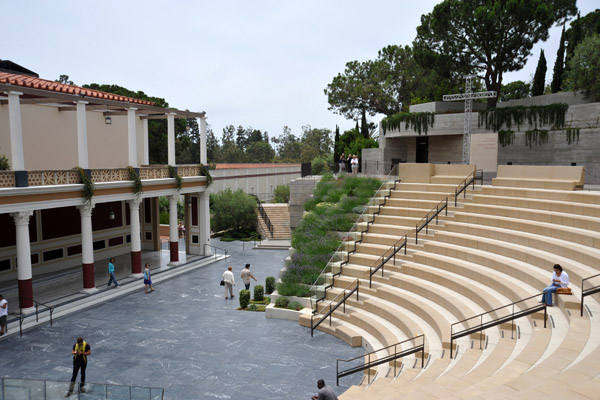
x=173, y=198
x=131, y=109
x=14, y=93
x=22, y=217
x=171, y=113
x=135, y=203
x=85, y=210
x=81, y=102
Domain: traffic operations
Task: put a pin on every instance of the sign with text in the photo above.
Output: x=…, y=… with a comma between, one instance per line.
x=484, y=151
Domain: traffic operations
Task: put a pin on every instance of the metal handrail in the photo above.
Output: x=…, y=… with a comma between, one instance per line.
x=395, y=356
x=225, y=251
x=263, y=214
x=333, y=308
x=514, y=315
x=20, y=317
x=464, y=184
x=384, y=260
x=429, y=218
x=353, y=229
x=589, y=291
x=37, y=305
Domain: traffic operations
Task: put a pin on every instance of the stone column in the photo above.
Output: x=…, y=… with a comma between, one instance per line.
x=204, y=223
x=87, y=247
x=173, y=232
x=146, y=146
x=24, y=274
x=17, y=157
x=82, y=142
x=132, y=137
x=171, y=139
x=203, y=159
x=136, y=244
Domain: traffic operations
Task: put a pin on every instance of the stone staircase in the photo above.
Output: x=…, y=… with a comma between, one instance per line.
x=279, y=215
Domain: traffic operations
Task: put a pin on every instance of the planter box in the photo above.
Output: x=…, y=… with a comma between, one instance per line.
x=305, y=301
x=284, y=313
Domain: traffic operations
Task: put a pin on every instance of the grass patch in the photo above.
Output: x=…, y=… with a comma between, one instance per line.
x=253, y=307
x=266, y=301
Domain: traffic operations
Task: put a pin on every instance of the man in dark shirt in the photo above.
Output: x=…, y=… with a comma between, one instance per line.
x=325, y=392
x=81, y=351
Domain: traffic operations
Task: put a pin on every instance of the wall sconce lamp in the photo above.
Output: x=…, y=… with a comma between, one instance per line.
x=107, y=120
x=111, y=214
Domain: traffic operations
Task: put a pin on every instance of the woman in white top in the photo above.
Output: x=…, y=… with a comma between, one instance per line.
x=229, y=281
x=560, y=279
x=354, y=163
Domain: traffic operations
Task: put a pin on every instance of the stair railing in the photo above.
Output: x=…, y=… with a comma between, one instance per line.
x=322, y=283
x=391, y=357
x=263, y=214
x=348, y=291
x=433, y=213
x=37, y=307
x=589, y=291
x=381, y=261
x=462, y=187
x=476, y=323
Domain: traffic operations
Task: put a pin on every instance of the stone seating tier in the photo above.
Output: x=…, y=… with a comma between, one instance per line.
x=540, y=177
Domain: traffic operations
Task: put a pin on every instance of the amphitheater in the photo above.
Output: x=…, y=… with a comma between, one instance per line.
x=441, y=278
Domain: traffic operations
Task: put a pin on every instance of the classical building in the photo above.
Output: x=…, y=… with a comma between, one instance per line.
x=56, y=138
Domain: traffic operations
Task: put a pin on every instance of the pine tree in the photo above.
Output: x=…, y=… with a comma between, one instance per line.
x=539, y=79
x=574, y=37
x=559, y=65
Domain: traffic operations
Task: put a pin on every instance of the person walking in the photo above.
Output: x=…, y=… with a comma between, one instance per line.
x=147, y=279
x=81, y=351
x=3, y=314
x=325, y=392
x=111, y=273
x=229, y=282
x=246, y=275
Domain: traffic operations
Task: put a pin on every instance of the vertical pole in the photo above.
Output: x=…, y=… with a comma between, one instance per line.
x=203, y=159
x=17, y=158
x=512, y=328
x=82, y=143
x=481, y=332
x=171, y=139
x=132, y=137
x=136, y=245
x=87, y=247
x=24, y=273
x=146, y=145
x=173, y=232
x=545, y=316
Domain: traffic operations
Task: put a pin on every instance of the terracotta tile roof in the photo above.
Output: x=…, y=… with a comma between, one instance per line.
x=44, y=84
x=238, y=166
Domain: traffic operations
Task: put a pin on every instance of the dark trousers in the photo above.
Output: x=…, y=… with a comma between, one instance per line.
x=247, y=286
x=76, y=367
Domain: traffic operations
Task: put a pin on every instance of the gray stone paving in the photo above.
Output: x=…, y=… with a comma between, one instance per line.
x=186, y=338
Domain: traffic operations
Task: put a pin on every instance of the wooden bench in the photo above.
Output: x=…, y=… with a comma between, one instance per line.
x=540, y=177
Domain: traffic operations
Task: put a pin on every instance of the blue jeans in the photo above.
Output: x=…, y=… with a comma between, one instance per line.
x=547, y=295
x=113, y=279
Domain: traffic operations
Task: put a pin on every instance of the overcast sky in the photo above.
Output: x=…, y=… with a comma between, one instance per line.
x=253, y=63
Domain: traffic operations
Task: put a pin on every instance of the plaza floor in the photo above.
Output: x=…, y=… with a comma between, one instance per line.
x=185, y=337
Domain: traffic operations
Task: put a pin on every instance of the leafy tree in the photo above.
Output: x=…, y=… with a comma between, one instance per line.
x=64, y=79
x=4, y=164
x=314, y=143
x=539, y=79
x=559, y=65
x=352, y=142
x=281, y=194
x=260, y=152
x=515, y=90
x=489, y=37
x=212, y=146
x=584, y=68
x=234, y=212
x=288, y=146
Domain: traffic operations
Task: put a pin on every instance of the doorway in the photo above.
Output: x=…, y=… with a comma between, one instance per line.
x=422, y=149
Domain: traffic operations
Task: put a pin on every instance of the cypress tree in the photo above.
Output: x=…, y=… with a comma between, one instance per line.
x=559, y=65
x=539, y=79
x=336, y=145
x=364, y=128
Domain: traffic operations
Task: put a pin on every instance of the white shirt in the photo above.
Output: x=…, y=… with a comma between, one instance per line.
x=228, y=277
x=354, y=162
x=3, y=310
x=564, y=278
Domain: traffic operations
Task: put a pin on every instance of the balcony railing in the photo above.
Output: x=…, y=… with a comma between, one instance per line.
x=71, y=176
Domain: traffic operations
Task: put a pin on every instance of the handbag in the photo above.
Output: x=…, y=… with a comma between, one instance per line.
x=222, y=283
x=564, y=290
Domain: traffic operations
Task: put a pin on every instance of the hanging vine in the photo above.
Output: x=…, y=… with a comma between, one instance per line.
x=204, y=171
x=551, y=114
x=178, y=179
x=420, y=121
x=137, y=182
x=88, y=185
x=572, y=135
x=506, y=137
x=537, y=136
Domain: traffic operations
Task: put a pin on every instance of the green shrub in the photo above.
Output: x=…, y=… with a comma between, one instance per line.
x=281, y=194
x=294, y=305
x=259, y=292
x=282, y=302
x=244, y=298
x=234, y=212
x=295, y=289
x=319, y=165
x=164, y=217
x=252, y=307
x=270, y=284
x=4, y=164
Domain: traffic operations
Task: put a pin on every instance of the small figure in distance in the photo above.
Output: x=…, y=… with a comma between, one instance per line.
x=147, y=279
x=81, y=350
x=246, y=275
x=559, y=279
x=342, y=163
x=111, y=273
x=3, y=314
x=325, y=392
x=229, y=282
x=354, y=163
